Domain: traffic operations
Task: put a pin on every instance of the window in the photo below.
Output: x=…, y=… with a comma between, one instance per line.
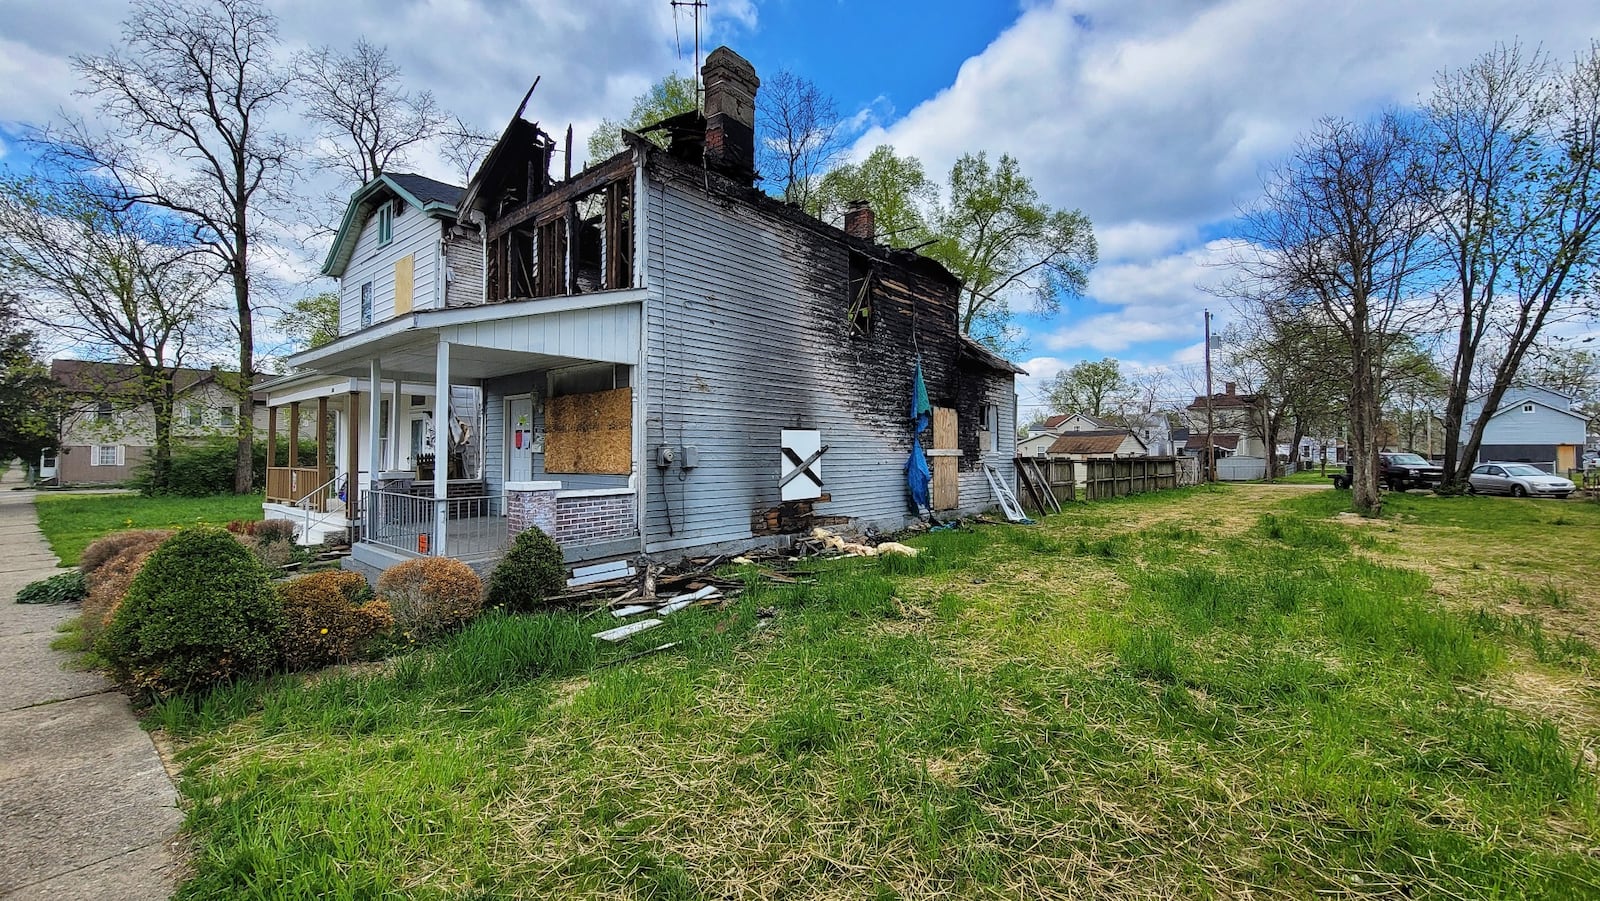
x=366, y=304
x=106, y=455
x=859, y=312
x=385, y=224
x=988, y=428
x=102, y=413
x=586, y=379
x=1527, y=408
x=197, y=416
x=226, y=415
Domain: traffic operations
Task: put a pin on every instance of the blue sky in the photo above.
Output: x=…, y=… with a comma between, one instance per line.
x=1156, y=117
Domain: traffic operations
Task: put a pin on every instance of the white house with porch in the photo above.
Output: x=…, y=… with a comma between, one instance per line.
x=620, y=355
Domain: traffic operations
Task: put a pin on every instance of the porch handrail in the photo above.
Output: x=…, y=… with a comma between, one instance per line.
x=407, y=523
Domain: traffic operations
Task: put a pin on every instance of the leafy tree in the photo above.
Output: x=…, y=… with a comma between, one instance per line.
x=1002, y=242
x=895, y=186
x=1516, y=177
x=368, y=123
x=312, y=321
x=188, y=96
x=1095, y=389
x=666, y=98
x=799, y=135
x=29, y=404
x=1340, y=234
x=114, y=281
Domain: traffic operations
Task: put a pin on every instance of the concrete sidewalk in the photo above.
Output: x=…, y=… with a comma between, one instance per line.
x=86, y=809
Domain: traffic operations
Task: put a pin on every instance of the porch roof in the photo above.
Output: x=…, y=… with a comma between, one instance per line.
x=498, y=339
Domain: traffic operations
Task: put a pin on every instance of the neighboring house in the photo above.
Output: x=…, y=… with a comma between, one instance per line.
x=1533, y=425
x=108, y=433
x=1235, y=419
x=1100, y=444
x=633, y=357
x=1044, y=433
x=1155, y=432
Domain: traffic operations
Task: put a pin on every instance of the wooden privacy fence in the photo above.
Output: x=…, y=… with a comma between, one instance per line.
x=1093, y=479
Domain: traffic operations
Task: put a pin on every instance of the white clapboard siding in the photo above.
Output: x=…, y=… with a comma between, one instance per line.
x=414, y=233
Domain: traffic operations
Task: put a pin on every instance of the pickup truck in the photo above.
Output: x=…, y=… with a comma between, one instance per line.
x=1399, y=471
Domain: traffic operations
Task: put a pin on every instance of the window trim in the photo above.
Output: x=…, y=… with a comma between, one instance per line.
x=385, y=216
x=118, y=455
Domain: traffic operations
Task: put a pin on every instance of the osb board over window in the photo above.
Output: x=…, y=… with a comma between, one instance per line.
x=591, y=434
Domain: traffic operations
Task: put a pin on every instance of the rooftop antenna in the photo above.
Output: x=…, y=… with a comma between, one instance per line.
x=696, y=5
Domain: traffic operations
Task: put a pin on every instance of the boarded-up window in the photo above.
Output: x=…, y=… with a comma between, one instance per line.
x=590, y=433
x=860, y=314
x=403, y=268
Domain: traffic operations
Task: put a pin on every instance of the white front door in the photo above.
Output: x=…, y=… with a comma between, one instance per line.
x=519, y=438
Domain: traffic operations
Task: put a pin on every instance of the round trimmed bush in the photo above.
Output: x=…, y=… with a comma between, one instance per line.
x=200, y=612
x=532, y=571
x=330, y=617
x=430, y=596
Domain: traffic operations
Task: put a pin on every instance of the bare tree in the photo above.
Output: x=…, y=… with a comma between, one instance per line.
x=189, y=96
x=463, y=147
x=115, y=282
x=1341, y=231
x=368, y=122
x=1517, y=177
x=799, y=135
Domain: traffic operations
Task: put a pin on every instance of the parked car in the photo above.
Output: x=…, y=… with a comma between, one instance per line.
x=1517, y=480
x=1400, y=471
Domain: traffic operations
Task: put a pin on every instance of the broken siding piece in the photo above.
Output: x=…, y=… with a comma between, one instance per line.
x=631, y=629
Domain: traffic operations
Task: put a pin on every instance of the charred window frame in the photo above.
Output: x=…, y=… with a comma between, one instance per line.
x=861, y=313
x=577, y=247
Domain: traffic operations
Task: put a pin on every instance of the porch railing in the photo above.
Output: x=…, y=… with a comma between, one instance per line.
x=291, y=484
x=474, y=526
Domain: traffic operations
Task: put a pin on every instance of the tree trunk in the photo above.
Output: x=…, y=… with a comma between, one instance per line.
x=244, y=459
x=162, y=402
x=1365, y=496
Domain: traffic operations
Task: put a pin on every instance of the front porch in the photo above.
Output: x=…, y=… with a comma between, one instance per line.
x=525, y=399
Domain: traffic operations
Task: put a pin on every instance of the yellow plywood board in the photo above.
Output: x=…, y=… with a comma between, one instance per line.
x=946, y=469
x=404, y=275
x=590, y=434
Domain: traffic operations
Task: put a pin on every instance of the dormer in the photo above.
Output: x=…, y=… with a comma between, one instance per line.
x=392, y=252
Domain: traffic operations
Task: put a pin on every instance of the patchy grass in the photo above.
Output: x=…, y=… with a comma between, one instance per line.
x=71, y=521
x=1217, y=692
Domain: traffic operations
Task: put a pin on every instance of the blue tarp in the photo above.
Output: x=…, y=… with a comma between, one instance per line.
x=918, y=475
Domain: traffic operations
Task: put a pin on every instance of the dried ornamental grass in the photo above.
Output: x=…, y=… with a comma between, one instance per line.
x=330, y=617
x=102, y=550
x=109, y=584
x=431, y=596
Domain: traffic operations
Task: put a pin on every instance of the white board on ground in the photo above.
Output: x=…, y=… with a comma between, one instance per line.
x=629, y=610
x=621, y=632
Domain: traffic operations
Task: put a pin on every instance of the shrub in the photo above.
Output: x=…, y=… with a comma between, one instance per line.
x=108, y=585
x=431, y=595
x=532, y=570
x=269, y=531
x=102, y=550
x=329, y=617
x=61, y=588
x=200, y=613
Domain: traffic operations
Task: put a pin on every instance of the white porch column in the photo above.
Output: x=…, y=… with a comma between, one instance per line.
x=374, y=424
x=393, y=461
x=441, y=448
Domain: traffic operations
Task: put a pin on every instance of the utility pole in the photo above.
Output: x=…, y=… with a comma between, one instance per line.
x=1211, y=428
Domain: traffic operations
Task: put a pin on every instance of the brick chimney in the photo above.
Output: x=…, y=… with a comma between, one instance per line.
x=1232, y=387
x=860, y=221
x=730, y=109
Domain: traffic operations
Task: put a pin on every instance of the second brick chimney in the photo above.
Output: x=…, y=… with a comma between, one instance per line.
x=730, y=109
x=860, y=221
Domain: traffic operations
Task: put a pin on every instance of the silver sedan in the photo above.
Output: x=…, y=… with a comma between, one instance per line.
x=1517, y=480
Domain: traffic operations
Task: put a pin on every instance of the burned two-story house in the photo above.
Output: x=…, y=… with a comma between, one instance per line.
x=646, y=356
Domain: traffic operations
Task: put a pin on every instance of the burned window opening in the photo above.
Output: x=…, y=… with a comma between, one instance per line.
x=577, y=247
x=859, y=315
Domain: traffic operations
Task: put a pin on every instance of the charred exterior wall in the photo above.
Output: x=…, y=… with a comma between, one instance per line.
x=749, y=333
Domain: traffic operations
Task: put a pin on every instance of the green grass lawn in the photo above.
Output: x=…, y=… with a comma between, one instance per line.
x=71, y=521
x=1217, y=692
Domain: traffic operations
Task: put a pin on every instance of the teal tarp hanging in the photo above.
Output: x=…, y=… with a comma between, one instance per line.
x=918, y=475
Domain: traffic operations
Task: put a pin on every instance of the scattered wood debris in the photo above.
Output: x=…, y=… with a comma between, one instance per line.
x=621, y=632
